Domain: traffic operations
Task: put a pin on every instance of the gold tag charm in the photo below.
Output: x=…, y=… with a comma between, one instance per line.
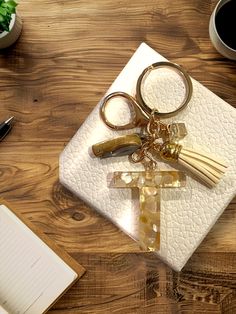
x=149, y=184
x=119, y=146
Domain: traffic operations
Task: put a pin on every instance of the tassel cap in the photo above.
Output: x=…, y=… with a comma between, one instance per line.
x=170, y=151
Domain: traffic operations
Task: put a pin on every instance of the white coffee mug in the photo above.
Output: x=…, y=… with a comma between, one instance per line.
x=216, y=40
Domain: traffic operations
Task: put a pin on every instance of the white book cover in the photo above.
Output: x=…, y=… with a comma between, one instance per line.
x=187, y=214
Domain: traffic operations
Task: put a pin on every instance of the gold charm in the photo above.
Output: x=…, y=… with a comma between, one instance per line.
x=122, y=145
x=149, y=184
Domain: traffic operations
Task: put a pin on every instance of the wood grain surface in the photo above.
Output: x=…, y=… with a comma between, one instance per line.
x=67, y=56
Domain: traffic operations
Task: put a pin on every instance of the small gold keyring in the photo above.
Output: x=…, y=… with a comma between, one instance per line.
x=139, y=116
x=179, y=70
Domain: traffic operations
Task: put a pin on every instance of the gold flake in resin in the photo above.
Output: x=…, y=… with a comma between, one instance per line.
x=149, y=184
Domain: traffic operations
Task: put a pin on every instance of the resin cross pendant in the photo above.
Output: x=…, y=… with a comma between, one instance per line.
x=149, y=184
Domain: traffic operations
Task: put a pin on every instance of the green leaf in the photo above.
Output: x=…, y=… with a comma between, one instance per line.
x=4, y=26
x=7, y=8
x=3, y=11
x=12, y=3
x=10, y=9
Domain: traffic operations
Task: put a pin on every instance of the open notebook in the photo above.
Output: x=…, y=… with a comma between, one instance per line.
x=34, y=272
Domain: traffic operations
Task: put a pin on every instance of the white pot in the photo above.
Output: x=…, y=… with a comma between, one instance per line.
x=217, y=42
x=8, y=38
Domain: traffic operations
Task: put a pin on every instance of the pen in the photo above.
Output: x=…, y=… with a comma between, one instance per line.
x=5, y=127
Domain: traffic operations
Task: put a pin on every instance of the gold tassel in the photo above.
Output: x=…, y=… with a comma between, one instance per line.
x=205, y=167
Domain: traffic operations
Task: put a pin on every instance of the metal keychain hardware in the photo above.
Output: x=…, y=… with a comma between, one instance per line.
x=157, y=140
x=141, y=110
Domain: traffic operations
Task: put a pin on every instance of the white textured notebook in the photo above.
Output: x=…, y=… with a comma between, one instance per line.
x=187, y=214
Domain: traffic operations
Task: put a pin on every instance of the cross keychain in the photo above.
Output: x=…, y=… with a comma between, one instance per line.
x=156, y=141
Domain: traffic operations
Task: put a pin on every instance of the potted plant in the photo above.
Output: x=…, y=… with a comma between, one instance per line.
x=10, y=23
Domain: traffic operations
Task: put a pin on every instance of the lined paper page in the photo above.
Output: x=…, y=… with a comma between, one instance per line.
x=32, y=276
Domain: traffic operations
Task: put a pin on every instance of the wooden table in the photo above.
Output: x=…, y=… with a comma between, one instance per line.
x=66, y=58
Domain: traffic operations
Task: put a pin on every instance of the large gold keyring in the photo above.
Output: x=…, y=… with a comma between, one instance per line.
x=181, y=72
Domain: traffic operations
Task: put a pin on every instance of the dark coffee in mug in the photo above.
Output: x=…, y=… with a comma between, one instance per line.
x=225, y=22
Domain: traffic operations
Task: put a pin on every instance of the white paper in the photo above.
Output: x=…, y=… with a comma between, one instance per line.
x=32, y=276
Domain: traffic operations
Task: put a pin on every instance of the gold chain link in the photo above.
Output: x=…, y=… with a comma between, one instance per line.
x=155, y=130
